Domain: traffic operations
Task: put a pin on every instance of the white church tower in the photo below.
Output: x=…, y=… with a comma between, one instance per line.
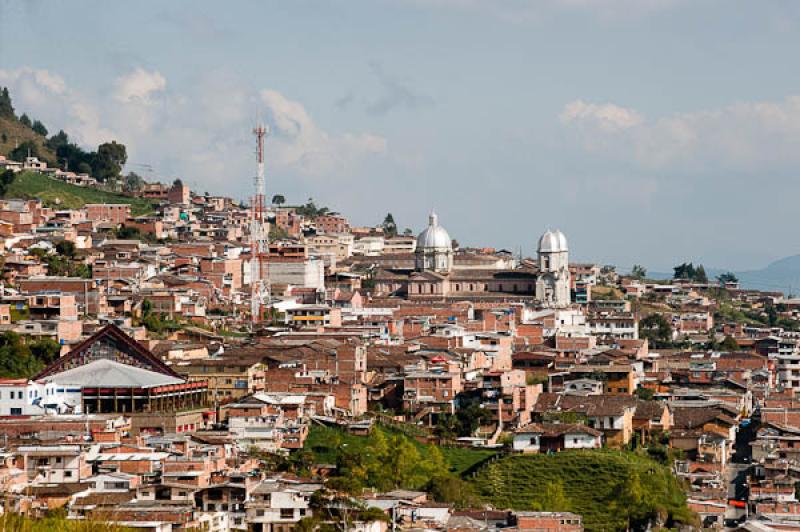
x=434, y=248
x=553, y=283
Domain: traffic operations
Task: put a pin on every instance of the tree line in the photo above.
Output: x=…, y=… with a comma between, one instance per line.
x=103, y=164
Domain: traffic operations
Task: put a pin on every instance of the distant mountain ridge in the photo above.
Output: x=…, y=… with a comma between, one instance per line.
x=782, y=275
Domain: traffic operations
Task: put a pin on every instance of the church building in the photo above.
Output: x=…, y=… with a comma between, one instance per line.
x=439, y=275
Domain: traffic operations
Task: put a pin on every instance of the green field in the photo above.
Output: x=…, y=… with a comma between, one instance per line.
x=325, y=443
x=592, y=485
x=32, y=185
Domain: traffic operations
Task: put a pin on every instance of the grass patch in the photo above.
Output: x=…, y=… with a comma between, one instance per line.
x=590, y=480
x=32, y=185
x=56, y=523
x=325, y=443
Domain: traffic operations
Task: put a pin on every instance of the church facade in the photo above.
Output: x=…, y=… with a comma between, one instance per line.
x=439, y=275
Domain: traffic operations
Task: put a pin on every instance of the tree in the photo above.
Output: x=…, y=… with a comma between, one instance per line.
x=278, y=199
x=6, y=178
x=46, y=350
x=58, y=140
x=402, y=464
x=16, y=358
x=133, y=182
x=6, y=109
x=39, y=128
x=110, y=158
x=552, y=499
x=683, y=271
x=727, y=277
x=700, y=274
x=66, y=248
x=449, y=488
x=645, y=394
x=772, y=314
x=637, y=504
x=688, y=271
x=469, y=418
x=25, y=120
x=407, y=231
x=638, y=272
x=729, y=344
x=376, y=453
x=177, y=183
x=389, y=226
x=657, y=330
x=27, y=148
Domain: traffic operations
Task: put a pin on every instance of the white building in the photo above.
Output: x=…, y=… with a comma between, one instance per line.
x=278, y=504
x=553, y=283
x=370, y=246
x=309, y=273
x=21, y=397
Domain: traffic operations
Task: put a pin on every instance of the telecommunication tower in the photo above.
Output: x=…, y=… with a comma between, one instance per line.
x=259, y=235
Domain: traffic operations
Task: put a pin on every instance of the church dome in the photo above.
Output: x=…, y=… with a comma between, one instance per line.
x=434, y=236
x=553, y=242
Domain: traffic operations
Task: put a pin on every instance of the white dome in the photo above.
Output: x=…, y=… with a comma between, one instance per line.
x=434, y=236
x=553, y=242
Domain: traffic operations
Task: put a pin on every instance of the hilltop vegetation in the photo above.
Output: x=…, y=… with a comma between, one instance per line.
x=18, y=132
x=32, y=185
x=608, y=488
x=20, y=137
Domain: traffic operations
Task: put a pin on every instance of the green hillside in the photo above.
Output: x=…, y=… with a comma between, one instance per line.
x=32, y=185
x=603, y=486
x=14, y=133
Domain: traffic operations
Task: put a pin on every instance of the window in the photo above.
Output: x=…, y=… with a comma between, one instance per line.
x=16, y=411
x=287, y=513
x=67, y=474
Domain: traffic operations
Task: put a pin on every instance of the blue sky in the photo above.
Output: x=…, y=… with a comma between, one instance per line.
x=649, y=131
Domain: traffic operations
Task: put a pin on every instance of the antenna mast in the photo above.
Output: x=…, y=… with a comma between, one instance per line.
x=259, y=235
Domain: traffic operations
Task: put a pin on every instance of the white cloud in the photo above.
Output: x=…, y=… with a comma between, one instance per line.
x=201, y=134
x=139, y=86
x=607, y=116
x=297, y=142
x=742, y=136
x=45, y=96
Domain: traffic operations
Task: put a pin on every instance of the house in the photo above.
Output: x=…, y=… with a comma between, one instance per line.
x=546, y=437
x=53, y=464
x=548, y=522
x=610, y=414
x=276, y=504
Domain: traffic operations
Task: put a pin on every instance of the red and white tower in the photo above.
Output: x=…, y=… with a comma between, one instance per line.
x=259, y=236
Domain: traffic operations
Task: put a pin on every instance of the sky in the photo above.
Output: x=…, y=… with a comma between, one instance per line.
x=650, y=131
